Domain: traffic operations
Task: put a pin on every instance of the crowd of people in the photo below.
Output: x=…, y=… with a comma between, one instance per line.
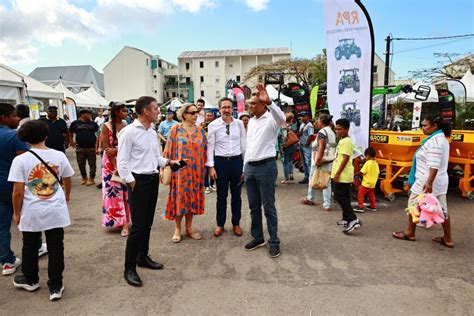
x=194, y=153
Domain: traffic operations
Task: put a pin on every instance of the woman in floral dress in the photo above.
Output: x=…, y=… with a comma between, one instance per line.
x=187, y=142
x=115, y=208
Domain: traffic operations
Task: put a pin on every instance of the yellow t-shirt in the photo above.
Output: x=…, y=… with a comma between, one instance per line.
x=344, y=147
x=370, y=170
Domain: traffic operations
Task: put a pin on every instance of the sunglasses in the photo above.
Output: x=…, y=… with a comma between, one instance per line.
x=192, y=112
x=227, y=129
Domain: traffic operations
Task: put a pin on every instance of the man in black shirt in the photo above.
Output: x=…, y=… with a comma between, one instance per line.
x=85, y=130
x=58, y=137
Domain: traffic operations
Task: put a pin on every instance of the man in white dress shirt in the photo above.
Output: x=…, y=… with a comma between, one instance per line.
x=260, y=169
x=225, y=149
x=138, y=160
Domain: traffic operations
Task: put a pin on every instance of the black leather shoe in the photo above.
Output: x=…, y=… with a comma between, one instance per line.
x=132, y=277
x=150, y=264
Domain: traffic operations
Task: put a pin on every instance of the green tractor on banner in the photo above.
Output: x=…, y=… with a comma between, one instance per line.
x=349, y=79
x=347, y=48
x=351, y=112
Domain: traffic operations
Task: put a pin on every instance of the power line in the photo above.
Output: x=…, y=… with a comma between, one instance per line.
x=430, y=38
x=428, y=46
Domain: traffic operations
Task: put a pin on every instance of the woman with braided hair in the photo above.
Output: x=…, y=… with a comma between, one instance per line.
x=115, y=208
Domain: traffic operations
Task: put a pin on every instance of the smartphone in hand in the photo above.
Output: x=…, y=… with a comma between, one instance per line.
x=182, y=164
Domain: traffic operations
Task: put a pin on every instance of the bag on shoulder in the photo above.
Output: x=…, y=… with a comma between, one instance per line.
x=116, y=178
x=329, y=154
x=320, y=179
x=291, y=139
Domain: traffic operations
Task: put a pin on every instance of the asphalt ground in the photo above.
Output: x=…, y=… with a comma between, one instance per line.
x=321, y=271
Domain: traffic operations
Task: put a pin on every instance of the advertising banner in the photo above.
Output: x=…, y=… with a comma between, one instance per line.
x=313, y=99
x=350, y=51
x=300, y=98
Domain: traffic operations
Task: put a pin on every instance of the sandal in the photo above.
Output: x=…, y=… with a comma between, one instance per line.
x=194, y=236
x=440, y=240
x=285, y=181
x=176, y=238
x=403, y=236
x=305, y=201
x=124, y=233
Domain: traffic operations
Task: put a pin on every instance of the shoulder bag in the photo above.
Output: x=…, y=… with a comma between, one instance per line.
x=291, y=139
x=329, y=151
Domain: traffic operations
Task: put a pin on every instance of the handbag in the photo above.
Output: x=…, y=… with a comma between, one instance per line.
x=320, y=179
x=291, y=139
x=166, y=178
x=329, y=151
x=116, y=178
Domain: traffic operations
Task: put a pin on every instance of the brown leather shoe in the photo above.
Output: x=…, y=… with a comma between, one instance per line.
x=237, y=231
x=219, y=230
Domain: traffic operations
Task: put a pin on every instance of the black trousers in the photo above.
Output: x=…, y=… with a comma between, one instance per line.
x=55, y=242
x=142, y=200
x=342, y=195
x=228, y=173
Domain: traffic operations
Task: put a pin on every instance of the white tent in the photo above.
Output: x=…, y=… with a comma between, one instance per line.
x=98, y=101
x=468, y=81
x=273, y=94
x=78, y=98
x=174, y=104
x=12, y=86
x=208, y=105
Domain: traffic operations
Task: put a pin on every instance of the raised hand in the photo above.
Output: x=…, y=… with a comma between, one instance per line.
x=262, y=94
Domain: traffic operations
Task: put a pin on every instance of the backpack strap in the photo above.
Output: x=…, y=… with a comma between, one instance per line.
x=51, y=170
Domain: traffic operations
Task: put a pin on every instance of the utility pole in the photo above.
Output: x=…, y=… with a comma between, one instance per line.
x=383, y=110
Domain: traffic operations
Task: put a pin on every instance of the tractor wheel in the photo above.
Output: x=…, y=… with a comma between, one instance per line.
x=341, y=87
x=357, y=86
x=338, y=53
x=357, y=119
x=358, y=52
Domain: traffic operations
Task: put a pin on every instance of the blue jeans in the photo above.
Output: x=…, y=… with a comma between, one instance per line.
x=288, y=162
x=6, y=214
x=260, y=181
x=228, y=173
x=326, y=192
x=306, y=158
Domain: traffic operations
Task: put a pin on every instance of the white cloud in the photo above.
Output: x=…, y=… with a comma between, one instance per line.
x=193, y=5
x=15, y=51
x=257, y=5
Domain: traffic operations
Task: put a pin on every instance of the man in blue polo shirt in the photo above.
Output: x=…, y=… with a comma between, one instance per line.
x=165, y=127
x=10, y=147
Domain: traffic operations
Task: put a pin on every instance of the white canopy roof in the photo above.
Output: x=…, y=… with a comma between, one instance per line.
x=410, y=97
x=174, y=104
x=208, y=104
x=468, y=81
x=78, y=98
x=273, y=94
x=12, y=78
x=98, y=101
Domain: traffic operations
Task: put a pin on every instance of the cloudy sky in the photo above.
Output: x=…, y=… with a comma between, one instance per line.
x=73, y=32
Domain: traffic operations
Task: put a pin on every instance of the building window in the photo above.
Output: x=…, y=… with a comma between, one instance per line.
x=217, y=64
x=202, y=93
x=217, y=80
x=201, y=64
x=187, y=66
x=218, y=94
x=174, y=94
x=202, y=78
x=147, y=61
x=231, y=65
x=237, y=78
x=159, y=63
x=375, y=68
x=188, y=80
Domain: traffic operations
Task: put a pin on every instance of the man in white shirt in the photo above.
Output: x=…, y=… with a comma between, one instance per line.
x=201, y=116
x=138, y=160
x=225, y=149
x=260, y=169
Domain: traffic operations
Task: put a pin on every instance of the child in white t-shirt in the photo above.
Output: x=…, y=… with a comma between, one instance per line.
x=40, y=204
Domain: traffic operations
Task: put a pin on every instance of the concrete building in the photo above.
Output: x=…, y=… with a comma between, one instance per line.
x=133, y=73
x=205, y=73
x=379, y=72
x=76, y=78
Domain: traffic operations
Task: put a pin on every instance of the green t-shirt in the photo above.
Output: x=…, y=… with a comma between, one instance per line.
x=344, y=147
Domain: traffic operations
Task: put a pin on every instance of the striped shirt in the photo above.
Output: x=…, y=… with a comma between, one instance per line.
x=433, y=154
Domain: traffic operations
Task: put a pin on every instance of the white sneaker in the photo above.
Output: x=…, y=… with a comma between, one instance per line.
x=213, y=187
x=208, y=190
x=10, y=268
x=42, y=250
x=55, y=294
